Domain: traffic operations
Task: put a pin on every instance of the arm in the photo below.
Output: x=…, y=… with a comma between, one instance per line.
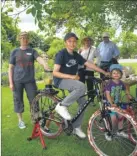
x=94, y=67
x=42, y=62
x=127, y=91
x=10, y=74
x=58, y=74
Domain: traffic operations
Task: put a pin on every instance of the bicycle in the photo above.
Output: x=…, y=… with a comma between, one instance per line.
x=52, y=125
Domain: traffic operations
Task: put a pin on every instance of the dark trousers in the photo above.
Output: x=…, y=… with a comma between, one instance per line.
x=31, y=91
x=89, y=82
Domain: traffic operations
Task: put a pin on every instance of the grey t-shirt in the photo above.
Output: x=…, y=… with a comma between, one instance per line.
x=23, y=61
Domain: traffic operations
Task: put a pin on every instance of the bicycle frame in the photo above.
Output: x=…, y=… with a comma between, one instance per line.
x=96, y=92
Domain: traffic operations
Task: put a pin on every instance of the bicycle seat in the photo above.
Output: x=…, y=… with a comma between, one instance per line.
x=62, y=90
x=58, y=88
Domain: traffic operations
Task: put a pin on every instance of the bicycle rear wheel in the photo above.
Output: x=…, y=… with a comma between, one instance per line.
x=42, y=111
x=118, y=145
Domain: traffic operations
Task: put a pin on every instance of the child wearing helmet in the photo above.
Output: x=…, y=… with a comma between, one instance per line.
x=113, y=92
x=115, y=86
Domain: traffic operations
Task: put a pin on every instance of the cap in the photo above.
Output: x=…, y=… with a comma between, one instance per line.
x=116, y=66
x=69, y=35
x=105, y=34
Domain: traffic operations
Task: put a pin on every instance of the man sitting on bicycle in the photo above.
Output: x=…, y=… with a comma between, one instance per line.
x=113, y=92
x=65, y=77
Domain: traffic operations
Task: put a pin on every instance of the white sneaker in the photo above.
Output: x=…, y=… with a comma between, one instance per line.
x=108, y=138
x=79, y=133
x=122, y=134
x=62, y=111
x=21, y=125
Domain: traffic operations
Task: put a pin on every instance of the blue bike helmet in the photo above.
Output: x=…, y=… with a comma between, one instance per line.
x=116, y=66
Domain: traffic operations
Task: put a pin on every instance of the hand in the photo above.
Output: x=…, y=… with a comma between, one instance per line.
x=75, y=77
x=11, y=87
x=129, y=97
x=47, y=68
x=107, y=74
x=114, y=105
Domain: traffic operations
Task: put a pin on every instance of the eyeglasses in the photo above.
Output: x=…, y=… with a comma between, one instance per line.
x=24, y=37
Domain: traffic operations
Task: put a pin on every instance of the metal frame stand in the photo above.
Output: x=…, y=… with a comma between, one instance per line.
x=37, y=133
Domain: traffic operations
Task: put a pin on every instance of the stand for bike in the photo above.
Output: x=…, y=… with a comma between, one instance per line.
x=37, y=133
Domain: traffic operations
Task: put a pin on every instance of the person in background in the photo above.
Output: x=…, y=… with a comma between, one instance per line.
x=65, y=77
x=88, y=52
x=22, y=74
x=108, y=53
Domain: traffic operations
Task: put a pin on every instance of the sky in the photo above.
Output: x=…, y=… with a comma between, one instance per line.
x=27, y=22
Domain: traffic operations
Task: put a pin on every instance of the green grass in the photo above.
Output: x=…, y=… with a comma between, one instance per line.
x=14, y=141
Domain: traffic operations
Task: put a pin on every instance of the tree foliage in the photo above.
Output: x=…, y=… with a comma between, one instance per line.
x=85, y=17
x=54, y=15
x=9, y=32
x=128, y=42
x=38, y=41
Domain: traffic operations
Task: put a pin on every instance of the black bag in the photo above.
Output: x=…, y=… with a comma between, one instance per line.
x=81, y=71
x=114, y=61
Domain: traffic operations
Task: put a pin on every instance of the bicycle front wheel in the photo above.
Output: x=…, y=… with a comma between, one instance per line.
x=42, y=111
x=118, y=145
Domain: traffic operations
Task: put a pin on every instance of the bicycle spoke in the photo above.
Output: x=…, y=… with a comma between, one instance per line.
x=118, y=144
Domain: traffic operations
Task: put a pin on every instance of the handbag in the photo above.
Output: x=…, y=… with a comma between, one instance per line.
x=82, y=71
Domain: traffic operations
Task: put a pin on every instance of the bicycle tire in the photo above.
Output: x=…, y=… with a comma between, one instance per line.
x=118, y=145
x=42, y=111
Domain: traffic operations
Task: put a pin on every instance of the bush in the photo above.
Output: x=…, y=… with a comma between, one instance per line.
x=4, y=66
x=5, y=80
x=39, y=76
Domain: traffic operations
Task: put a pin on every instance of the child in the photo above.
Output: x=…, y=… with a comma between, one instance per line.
x=113, y=94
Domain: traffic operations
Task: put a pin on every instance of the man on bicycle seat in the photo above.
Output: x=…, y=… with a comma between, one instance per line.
x=65, y=77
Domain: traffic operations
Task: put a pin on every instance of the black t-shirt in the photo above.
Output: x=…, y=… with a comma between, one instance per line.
x=23, y=61
x=69, y=63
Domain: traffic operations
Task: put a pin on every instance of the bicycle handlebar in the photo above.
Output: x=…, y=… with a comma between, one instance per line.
x=99, y=80
x=48, y=71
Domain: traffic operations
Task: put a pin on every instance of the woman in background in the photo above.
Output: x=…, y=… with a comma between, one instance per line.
x=88, y=51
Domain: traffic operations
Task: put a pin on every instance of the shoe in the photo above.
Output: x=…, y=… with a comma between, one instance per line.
x=79, y=133
x=62, y=111
x=108, y=137
x=122, y=134
x=21, y=125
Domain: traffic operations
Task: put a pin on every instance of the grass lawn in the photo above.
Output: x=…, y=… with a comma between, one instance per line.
x=14, y=141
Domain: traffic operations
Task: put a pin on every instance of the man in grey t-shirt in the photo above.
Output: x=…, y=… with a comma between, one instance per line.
x=21, y=74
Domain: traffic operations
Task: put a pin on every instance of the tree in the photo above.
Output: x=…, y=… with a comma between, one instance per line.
x=38, y=41
x=53, y=16
x=128, y=46
x=9, y=32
